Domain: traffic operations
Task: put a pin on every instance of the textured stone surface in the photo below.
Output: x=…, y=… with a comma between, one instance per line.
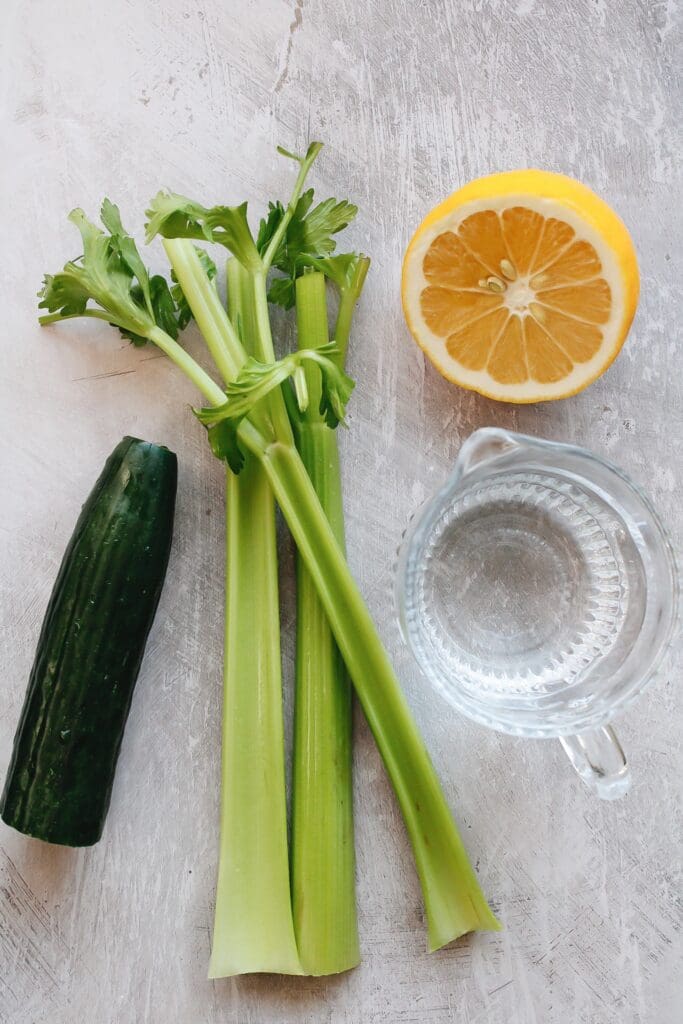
x=412, y=99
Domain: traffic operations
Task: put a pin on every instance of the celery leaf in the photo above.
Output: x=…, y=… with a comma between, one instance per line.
x=224, y=445
x=336, y=390
x=255, y=381
x=282, y=292
x=343, y=269
x=111, y=274
x=309, y=232
x=308, y=237
x=175, y=216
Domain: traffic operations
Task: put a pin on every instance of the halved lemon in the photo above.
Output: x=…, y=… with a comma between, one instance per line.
x=521, y=286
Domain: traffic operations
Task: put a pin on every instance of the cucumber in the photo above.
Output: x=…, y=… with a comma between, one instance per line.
x=90, y=648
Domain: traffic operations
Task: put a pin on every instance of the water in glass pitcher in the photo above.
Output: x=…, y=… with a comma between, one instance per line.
x=524, y=580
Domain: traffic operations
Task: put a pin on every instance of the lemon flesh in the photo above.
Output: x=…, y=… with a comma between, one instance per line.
x=521, y=286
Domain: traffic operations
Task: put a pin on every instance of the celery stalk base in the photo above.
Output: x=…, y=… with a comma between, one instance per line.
x=323, y=859
x=253, y=929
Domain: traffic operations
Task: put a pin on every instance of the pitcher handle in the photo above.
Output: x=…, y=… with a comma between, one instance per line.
x=599, y=759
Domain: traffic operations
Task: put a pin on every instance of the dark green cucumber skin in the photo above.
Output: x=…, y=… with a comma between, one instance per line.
x=91, y=645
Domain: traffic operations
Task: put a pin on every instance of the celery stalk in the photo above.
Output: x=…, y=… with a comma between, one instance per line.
x=453, y=900
x=349, y=293
x=253, y=929
x=323, y=861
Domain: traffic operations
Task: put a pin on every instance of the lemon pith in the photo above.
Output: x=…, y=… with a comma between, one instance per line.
x=521, y=286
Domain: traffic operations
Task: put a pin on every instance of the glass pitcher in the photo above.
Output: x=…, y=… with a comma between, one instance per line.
x=538, y=592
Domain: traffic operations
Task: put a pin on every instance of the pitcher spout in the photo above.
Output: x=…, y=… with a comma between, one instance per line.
x=483, y=446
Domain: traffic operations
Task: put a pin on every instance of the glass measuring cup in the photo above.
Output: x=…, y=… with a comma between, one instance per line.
x=538, y=593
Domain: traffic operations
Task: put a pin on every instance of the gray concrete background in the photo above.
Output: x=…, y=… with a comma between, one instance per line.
x=411, y=99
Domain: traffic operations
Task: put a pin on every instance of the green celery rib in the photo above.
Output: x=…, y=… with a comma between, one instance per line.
x=454, y=902
x=348, y=298
x=323, y=861
x=253, y=928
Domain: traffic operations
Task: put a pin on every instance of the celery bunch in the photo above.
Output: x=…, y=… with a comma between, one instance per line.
x=272, y=422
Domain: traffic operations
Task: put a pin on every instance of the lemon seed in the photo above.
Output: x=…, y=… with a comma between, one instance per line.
x=508, y=270
x=494, y=284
